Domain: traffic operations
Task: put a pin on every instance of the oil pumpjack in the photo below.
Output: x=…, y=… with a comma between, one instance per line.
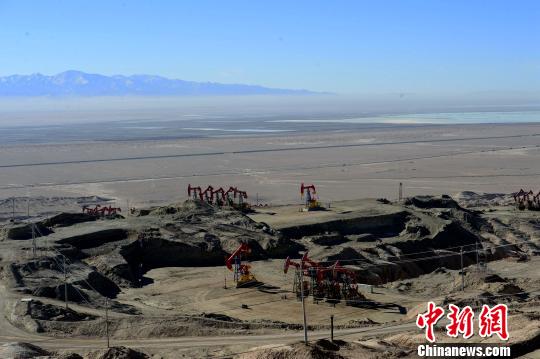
x=309, y=195
x=242, y=275
x=233, y=197
x=195, y=192
x=331, y=283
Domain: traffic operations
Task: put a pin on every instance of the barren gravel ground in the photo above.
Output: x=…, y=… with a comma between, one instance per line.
x=369, y=163
x=344, y=166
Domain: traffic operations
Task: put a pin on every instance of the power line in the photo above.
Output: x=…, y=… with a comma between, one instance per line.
x=407, y=260
x=362, y=330
x=347, y=260
x=305, y=324
x=262, y=285
x=265, y=150
x=282, y=169
x=66, y=259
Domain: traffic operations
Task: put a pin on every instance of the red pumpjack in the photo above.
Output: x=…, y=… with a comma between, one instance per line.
x=101, y=211
x=233, y=197
x=527, y=200
x=219, y=197
x=332, y=283
x=242, y=274
x=309, y=195
x=195, y=192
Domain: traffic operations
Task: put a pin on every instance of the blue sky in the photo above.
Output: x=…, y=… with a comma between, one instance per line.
x=351, y=47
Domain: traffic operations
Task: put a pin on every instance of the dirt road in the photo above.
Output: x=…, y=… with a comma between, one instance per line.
x=10, y=333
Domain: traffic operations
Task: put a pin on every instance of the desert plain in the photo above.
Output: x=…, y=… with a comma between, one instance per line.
x=159, y=268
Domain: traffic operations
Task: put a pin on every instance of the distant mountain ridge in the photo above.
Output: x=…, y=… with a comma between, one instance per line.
x=77, y=83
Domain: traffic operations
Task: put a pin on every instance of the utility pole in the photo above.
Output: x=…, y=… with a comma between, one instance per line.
x=303, y=301
x=107, y=321
x=34, y=245
x=332, y=328
x=477, y=260
x=400, y=191
x=141, y=262
x=462, y=272
x=65, y=280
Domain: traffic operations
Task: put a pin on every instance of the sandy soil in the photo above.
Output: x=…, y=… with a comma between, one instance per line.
x=196, y=290
x=177, y=303
x=343, y=165
x=427, y=159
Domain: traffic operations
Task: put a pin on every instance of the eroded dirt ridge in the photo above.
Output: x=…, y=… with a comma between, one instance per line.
x=388, y=246
x=392, y=242
x=108, y=254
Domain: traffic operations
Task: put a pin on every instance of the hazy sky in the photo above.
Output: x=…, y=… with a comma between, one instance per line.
x=355, y=47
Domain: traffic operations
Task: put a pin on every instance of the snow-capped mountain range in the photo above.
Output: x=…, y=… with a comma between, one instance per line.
x=77, y=83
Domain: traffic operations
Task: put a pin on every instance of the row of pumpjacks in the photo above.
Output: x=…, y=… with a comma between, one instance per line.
x=100, y=211
x=527, y=200
x=233, y=197
x=236, y=198
x=331, y=283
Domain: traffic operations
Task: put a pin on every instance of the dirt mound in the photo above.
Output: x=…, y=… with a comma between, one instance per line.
x=22, y=231
x=398, y=244
x=494, y=278
x=222, y=317
x=383, y=225
x=37, y=317
x=20, y=350
x=42, y=206
x=325, y=349
x=363, y=237
x=96, y=239
x=495, y=290
x=361, y=323
x=279, y=247
x=444, y=281
x=153, y=250
x=426, y=202
x=296, y=351
x=509, y=290
x=68, y=356
x=186, y=209
x=67, y=219
x=474, y=302
x=415, y=229
x=45, y=277
x=346, y=253
x=473, y=199
x=117, y=353
x=41, y=311
x=329, y=239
